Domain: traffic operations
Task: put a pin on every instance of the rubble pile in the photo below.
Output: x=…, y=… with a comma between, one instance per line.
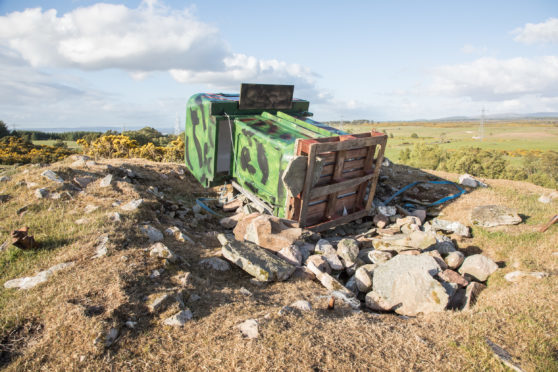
x=387, y=262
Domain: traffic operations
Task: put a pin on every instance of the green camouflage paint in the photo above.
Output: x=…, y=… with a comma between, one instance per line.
x=263, y=143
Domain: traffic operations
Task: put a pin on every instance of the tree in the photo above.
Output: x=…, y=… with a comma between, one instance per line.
x=3, y=129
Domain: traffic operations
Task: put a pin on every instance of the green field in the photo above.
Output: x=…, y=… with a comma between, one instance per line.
x=70, y=144
x=505, y=136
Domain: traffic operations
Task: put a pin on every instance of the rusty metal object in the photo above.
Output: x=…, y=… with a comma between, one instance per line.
x=22, y=240
x=331, y=303
x=552, y=221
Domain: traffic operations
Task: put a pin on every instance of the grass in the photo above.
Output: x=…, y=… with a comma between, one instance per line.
x=520, y=317
x=69, y=144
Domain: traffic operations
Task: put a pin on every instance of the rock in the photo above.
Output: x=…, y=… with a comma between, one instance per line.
x=111, y=337
x=544, y=199
x=131, y=324
x=179, y=319
x=470, y=181
x=102, y=246
x=494, y=215
x=378, y=257
x=114, y=217
x=330, y=254
x=132, y=206
x=319, y=262
x=157, y=302
x=350, y=284
x=257, y=262
x=450, y=226
x=408, y=281
x=387, y=211
x=451, y=288
x=266, y=231
x=215, y=263
x=306, y=250
x=381, y=220
x=438, y=257
x=232, y=205
x=329, y=282
x=41, y=193
x=363, y=277
x=245, y=292
x=178, y=234
x=41, y=277
x=291, y=254
x=230, y=222
x=4, y=179
x=443, y=247
x=303, y=273
x=451, y=276
x=348, y=250
x=454, y=259
x=301, y=305
x=90, y=208
x=32, y=185
x=82, y=221
x=465, y=298
x=420, y=213
x=83, y=181
x=478, y=267
x=375, y=302
x=409, y=220
x=225, y=238
x=249, y=328
x=152, y=233
x=106, y=181
x=161, y=251
x=52, y=176
x=516, y=276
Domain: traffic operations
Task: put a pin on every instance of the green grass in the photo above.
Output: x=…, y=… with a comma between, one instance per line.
x=70, y=144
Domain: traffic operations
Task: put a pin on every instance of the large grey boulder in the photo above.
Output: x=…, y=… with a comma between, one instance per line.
x=257, y=262
x=494, y=215
x=478, y=267
x=407, y=284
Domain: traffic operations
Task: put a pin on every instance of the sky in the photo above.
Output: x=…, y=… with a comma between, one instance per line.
x=81, y=63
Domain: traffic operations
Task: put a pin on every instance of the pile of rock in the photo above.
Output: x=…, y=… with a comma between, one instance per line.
x=409, y=266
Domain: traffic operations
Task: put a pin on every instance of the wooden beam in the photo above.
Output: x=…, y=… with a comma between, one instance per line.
x=339, y=186
x=332, y=199
x=338, y=221
x=307, y=184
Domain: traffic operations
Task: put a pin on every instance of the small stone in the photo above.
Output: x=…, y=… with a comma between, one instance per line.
x=438, y=257
x=451, y=226
x=231, y=222
x=330, y=254
x=215, y=263
x=52, y=176
x=363, y=277
x=387, y=211
x=454, y=259
x=478, y=267
x=329, y=281
x=41, y=277
x=179, y=319
x=82, y=221
x=378, y=257
x=111, y=337
x=381, y=220
x=102, y=246
x=90, y=208
x=161, y=251
x=516, y=276
x=409, y=220
x=375, y=302
x=291, y=254
x=451, y=276
x=157, y=302
x=194, y=297
x=470, y=181
x=106, y=181
x=32, y=185
x=132, y=206
x=472, y=293
x=152, y=233
x=301, y=305
x=4, y=179
x=41, y=193
x=249, y=328
x=155, y=274
x=114, y=217
x=306, y=250
x=348, y=250
x=303, y=273
x=232, y=205
x=131, y=324
x=420, y=213
x=320, y=262
x=83, y=181
x=178, y=234
x=245, y=292
x=350, y=284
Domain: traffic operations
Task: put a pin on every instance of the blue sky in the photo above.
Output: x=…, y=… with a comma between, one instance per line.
x=135, y=63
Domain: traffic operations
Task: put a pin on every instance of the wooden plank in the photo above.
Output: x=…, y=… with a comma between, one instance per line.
x=354, y=164
x=338, y=221
x=348, y=145
x=307, y=184
x=374, y=181
x=329, y=156
x=367, y=168
x=336, y=176
x=252, y=197
x=343, y=185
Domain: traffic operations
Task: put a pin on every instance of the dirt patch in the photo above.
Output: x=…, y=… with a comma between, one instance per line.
x=15, y=340
x=525, y=135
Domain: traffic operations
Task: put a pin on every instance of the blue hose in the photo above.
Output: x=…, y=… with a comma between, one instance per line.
x=200, y=202
x=441, y=201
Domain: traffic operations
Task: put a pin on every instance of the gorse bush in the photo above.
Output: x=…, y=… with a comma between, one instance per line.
x=17, y=150
x=541, y=170
x=121, y=146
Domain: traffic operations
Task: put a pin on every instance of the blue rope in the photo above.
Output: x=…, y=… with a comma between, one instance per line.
x=200, y=202
x=441, y=201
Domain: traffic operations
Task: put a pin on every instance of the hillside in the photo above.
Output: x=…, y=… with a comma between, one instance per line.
x=67, y=322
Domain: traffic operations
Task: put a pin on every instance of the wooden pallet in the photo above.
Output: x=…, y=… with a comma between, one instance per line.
x=347, y=182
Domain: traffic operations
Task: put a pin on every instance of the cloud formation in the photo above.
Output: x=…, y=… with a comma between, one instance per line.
x=492, y=79
x=538, y=33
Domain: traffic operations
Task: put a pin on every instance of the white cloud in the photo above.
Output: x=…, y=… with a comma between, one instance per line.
x=472, y=49
x=496, y=79
x=538, y=33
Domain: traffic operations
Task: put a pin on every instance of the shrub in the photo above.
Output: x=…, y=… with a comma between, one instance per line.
x=18, y=150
